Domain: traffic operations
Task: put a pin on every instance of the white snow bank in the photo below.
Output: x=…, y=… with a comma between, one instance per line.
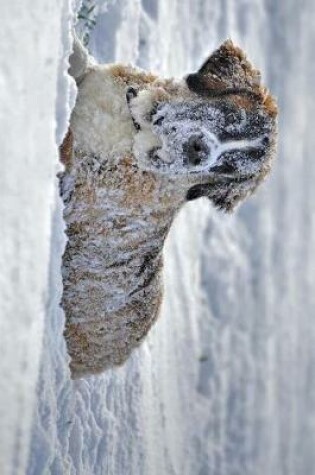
x=32, y=39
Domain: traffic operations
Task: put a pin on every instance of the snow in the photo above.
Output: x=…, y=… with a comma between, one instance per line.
x=225, y=383
x=28, y=77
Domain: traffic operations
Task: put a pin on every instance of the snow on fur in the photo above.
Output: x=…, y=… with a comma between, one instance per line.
x=139, y=147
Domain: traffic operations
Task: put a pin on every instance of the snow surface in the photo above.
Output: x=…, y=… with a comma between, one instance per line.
x=225, y=383
x=29, y=60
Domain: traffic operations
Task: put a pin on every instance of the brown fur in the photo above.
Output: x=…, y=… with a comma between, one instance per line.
x=228, y=67
x=65, y=150
x=118, y=213
x=129, y=75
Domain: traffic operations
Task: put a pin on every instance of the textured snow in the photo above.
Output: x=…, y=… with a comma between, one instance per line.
x=225, y=383
x=29, y=60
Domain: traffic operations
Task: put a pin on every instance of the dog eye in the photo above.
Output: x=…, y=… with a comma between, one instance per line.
x=265, y=141
x=231, y=118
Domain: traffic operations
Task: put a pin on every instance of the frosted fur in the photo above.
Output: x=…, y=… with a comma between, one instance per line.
x=101, y=106
x=137, y=149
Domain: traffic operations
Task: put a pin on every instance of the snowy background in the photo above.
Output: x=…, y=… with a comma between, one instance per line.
x=225, y=384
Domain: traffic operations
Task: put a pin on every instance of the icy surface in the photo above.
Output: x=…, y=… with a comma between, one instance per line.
x=225, y=384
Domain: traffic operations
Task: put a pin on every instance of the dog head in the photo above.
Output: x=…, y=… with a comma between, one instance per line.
x=216, y=132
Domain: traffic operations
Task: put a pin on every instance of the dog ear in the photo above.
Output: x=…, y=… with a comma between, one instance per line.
x=79, y=59
x=226, y=68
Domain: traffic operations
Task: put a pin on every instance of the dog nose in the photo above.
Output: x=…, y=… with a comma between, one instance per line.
x=195, y=150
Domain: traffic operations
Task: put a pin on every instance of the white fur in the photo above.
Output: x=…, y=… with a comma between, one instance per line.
x=101, y=117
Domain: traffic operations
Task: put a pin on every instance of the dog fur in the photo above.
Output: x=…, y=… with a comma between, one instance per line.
x=137, y=149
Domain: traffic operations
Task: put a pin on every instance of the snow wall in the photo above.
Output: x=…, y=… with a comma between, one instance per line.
x=30, y=70
x=225, y=383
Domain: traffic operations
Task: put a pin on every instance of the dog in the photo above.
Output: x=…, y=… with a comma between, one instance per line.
x=139, y=147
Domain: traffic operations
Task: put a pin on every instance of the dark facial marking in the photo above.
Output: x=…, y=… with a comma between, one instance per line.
x=130, y=94
x=154, y=109
x=197, y=191
x=224, y=168
x=265, y=140
x=159, y=120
